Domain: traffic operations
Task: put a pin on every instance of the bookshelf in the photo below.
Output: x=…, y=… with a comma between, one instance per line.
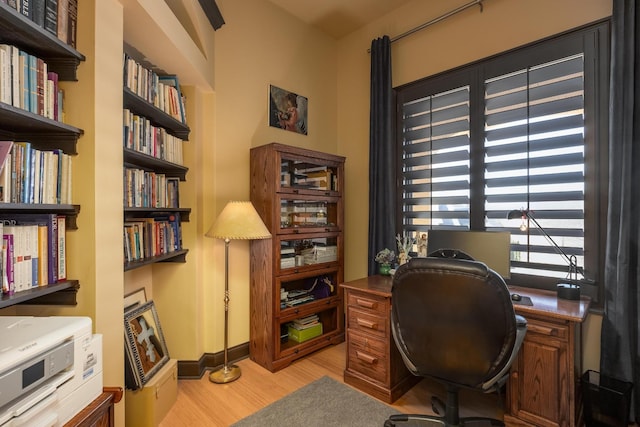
x=152, y=151
x=295, y=275
x=44, y=134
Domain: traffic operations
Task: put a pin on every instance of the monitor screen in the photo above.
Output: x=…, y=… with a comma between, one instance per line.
x=490, y=247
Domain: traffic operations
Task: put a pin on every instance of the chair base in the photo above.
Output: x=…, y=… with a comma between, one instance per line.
x=398, y=420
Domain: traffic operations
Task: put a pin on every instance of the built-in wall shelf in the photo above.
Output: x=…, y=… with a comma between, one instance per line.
x=133, y=212
x=158, y=117
x=136, y=159
x=69, y=211
x=42, y=132
x=176, y=256
x=61, y=293
x=19, y=30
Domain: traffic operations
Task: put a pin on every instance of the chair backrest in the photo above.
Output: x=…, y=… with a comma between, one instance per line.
x=452, y=319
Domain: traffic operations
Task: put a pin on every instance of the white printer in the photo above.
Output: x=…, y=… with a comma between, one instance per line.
x=50, y=369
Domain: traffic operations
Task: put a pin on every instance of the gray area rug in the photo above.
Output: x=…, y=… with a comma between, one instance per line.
x=323, y=403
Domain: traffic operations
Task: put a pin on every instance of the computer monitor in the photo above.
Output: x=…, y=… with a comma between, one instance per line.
x=490, y=247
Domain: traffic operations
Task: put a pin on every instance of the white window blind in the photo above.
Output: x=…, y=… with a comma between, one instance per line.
x=534, y=160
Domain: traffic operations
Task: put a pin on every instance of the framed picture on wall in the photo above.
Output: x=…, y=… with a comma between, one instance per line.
x=145, y=347
x=287, y=110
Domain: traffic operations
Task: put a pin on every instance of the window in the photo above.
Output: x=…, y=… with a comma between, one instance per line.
x=522, y=130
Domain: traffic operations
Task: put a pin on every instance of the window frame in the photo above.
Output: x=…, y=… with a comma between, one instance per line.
x=592, y=40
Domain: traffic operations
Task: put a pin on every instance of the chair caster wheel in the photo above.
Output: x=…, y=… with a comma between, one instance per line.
x=389, y=423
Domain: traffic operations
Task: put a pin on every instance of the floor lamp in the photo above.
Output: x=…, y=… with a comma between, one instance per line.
x=237, y=221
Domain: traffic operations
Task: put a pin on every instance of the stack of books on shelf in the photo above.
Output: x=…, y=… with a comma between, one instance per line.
x=58, y=17
x=143, y=189
x=26, y=83
x=161, y=91
x=298, y=296
x=319, y=254
x=149, y=237
x=305, y=328
x=29, y=175
x=316, y=177
x=287, y=257
x=33, y=251
x=140, y=135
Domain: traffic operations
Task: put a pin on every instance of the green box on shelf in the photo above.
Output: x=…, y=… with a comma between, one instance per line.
x=303, y=335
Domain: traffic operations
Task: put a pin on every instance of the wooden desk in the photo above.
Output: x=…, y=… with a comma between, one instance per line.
x=543, y=387
x=543, y=384
x=98, y=413
x=374, y=364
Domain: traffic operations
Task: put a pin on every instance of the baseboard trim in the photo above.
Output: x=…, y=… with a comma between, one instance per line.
x=195, y=369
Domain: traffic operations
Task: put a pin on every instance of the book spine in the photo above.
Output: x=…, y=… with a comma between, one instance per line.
x=72, y=22
x=9, y=286
x=51, y=16
x=25, y=8
x=37, y=12
x=63, y=17
x=33, y=84
x=41, y=75
x=62, y=248
x=15, y=77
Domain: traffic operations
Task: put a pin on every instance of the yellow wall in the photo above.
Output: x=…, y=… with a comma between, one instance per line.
x=461, y=39
x=259, y=45
x=226, y=77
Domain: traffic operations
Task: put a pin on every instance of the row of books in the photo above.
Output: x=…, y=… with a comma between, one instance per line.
x=148, y=237
x=59, y=17
x=33, y=251
x=144, y=189
x=296, y=297
x=29, y=175
x=140, y=135
x=305, y=322
x=161, y=91
x=26, y=82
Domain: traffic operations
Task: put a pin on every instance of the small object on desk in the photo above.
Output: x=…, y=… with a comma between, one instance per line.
x=516, y=297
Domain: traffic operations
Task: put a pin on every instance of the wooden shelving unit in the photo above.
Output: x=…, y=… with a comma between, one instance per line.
x=43, y=133
x=298, y=194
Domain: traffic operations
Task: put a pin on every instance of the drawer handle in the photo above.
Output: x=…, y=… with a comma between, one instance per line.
x=366, y=303
x=366, y=358
x=367, y=323
x=543, y=330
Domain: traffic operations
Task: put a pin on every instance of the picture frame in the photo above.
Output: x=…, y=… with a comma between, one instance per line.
x=134, y=299
x=288, y=110
x=145, y=348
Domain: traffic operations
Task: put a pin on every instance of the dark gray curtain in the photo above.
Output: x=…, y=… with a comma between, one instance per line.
x=382, y=164
x=620, y=354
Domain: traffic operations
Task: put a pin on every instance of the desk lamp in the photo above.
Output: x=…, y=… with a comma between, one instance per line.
x=571, y=290
x=237, y=221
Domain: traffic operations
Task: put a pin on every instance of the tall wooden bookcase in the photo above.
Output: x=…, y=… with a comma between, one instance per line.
x=295, y=274
x=152, y=154
x=18, y=124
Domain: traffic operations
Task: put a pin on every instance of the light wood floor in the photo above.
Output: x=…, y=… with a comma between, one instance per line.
x=203, y=403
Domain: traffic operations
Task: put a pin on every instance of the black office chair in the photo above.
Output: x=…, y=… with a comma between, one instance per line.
x=453, y=320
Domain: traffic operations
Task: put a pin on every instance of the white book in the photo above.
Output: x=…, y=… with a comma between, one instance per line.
x=16, y=72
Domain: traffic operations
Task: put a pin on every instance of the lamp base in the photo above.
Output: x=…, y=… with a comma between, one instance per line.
x=226, y=374
x=568, y=291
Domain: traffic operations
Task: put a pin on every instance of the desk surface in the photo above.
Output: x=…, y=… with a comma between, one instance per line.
x=544, y=302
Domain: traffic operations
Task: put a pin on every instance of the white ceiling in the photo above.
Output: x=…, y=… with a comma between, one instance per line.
x=338, y=18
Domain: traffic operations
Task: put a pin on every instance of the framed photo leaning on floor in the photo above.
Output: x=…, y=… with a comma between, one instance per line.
x=145, y=347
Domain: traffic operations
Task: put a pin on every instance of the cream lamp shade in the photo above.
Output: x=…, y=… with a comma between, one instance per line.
x=238, y=221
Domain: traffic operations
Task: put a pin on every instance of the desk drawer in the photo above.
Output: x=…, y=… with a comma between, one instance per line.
x=368, y=357
x=372, y=303
x=359, y=320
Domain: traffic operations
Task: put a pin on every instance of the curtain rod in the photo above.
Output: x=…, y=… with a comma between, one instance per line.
x=436, y=20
